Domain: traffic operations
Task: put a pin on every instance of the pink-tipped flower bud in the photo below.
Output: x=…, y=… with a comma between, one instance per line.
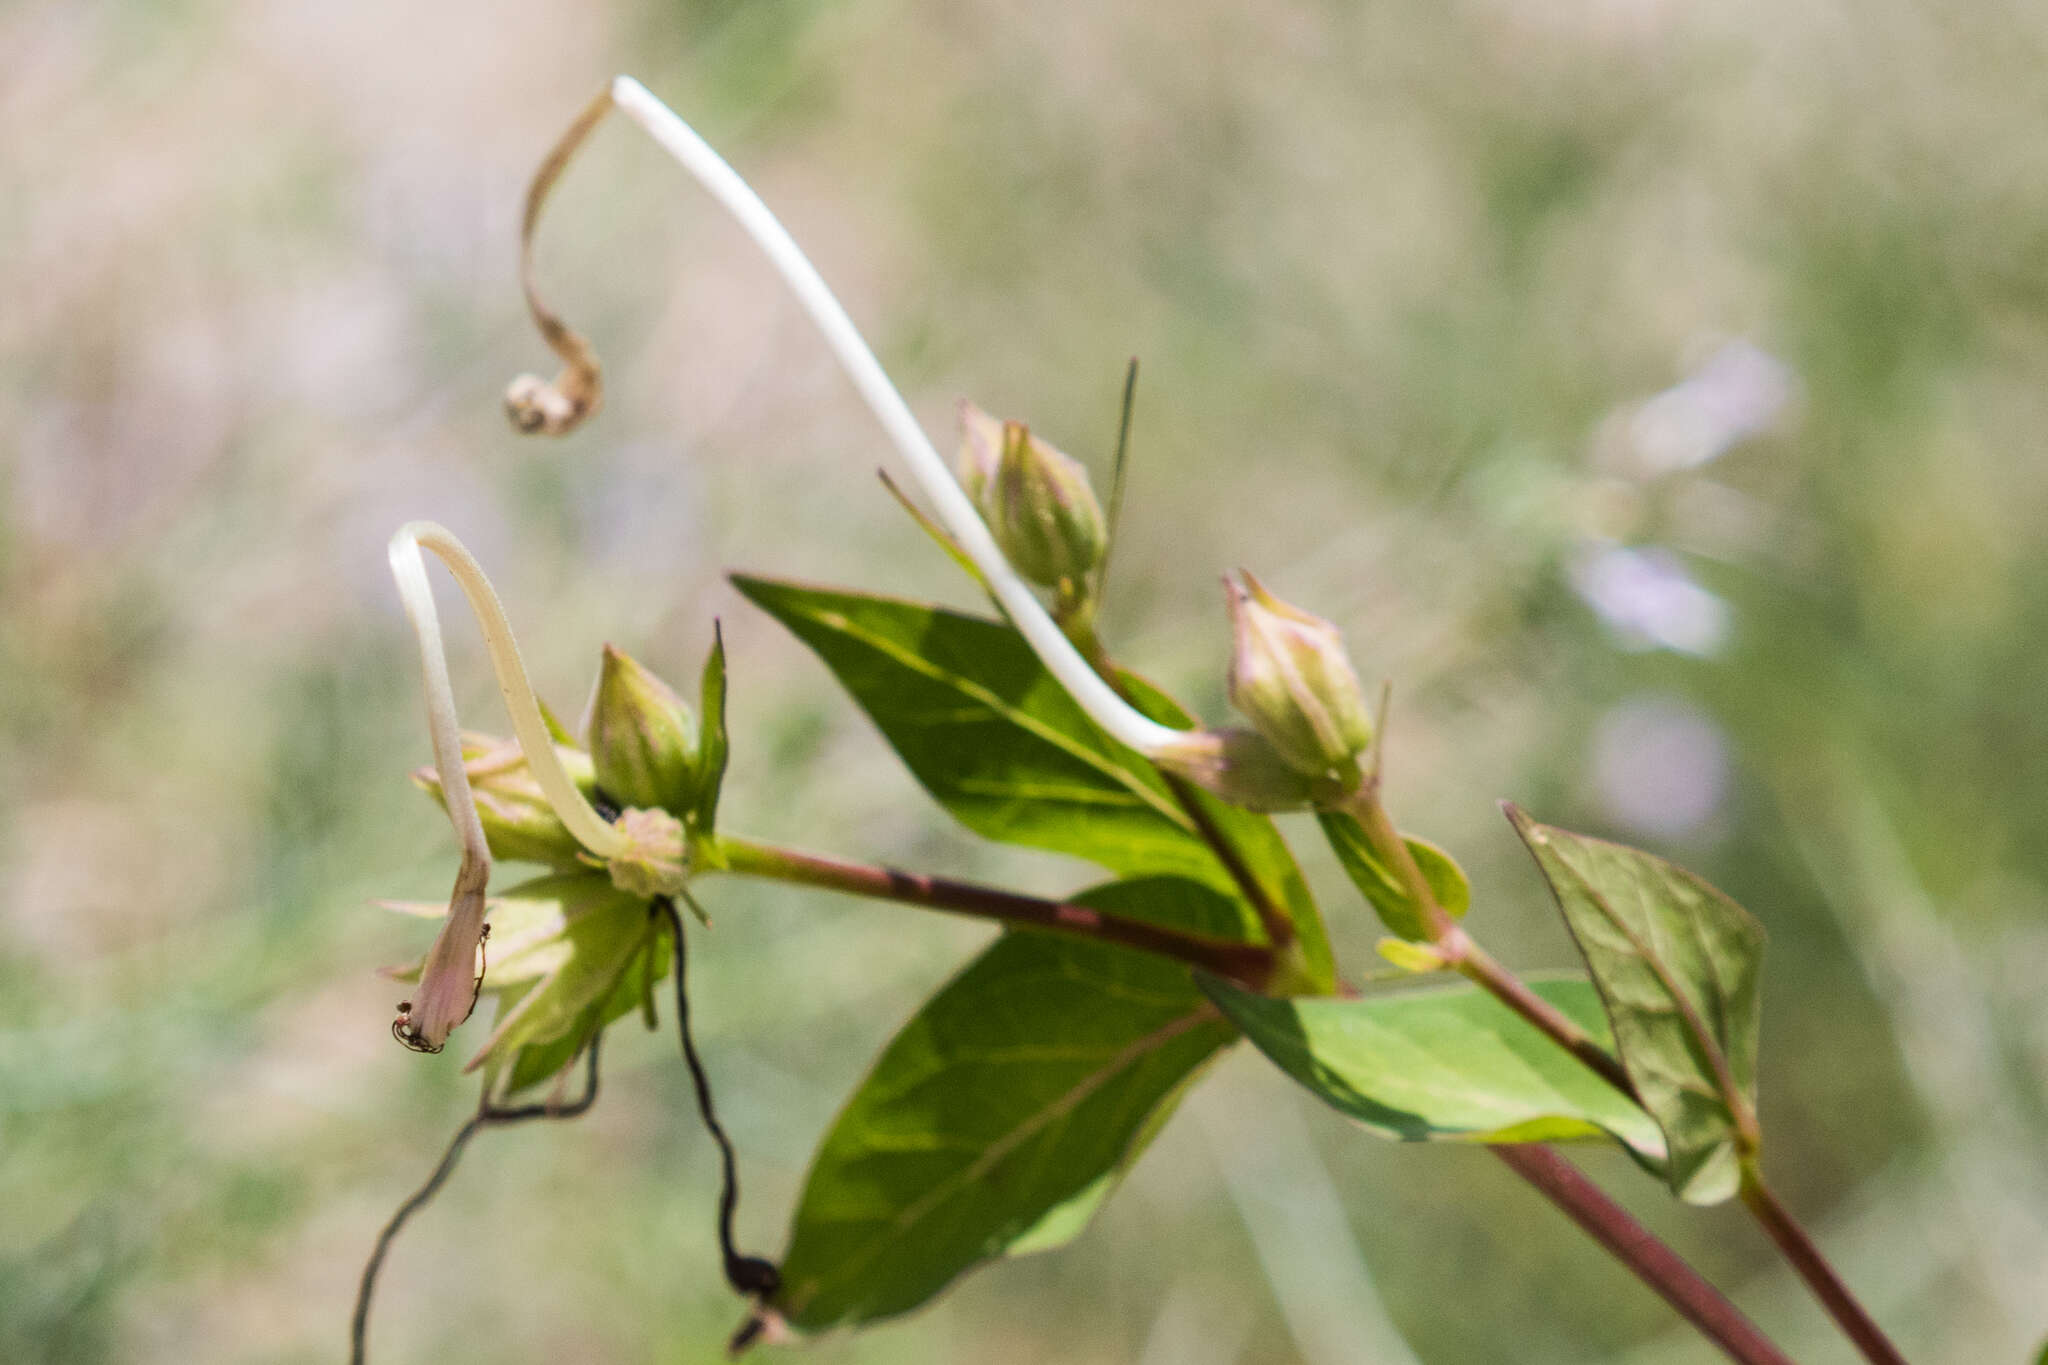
x=519, y=824
x=1037, y=501
x=643, y=739
x=981, y=450
x=1290, y=676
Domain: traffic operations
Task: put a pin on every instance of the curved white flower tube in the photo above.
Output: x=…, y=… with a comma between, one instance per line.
x=447, y=987
x=955, y=511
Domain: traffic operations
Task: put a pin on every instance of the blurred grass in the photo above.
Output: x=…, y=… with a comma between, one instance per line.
x=1389, y=269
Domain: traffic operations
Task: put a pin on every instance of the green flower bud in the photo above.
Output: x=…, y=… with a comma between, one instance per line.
x=519, y=824
x=643, y=740
x=1239, y=766
x=1290, y=676
x=1037, y=502
x=655, y=861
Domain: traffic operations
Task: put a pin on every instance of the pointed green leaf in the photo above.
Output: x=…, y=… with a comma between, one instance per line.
x=994, y=1123
x=556, y=730
x=537, y=1062
x=1384, y=888
x=713, y=748
x=1676, y=962
x=939, y=534
x=990, y=733
x=560, y=947
x=1448, y=1063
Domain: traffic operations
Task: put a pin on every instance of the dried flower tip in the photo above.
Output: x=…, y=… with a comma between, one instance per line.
x=534, y=404
x=1290, y=676
x=449, y=981
x=538, y=407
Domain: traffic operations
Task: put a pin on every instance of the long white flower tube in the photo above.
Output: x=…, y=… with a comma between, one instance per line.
x=955, y=511
x=447, y=989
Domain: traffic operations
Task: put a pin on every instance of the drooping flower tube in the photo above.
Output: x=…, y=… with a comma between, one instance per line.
x=448, y=980
x=539, y=406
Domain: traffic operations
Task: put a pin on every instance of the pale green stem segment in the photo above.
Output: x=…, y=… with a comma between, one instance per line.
x=590, y=829
x=955, y=511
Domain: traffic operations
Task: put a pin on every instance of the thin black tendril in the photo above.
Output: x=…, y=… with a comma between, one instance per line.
x=750, y=1275
x=487, y=1115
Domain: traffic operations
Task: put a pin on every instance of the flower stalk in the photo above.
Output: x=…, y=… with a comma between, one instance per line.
x=955, y=511
x=448, y=982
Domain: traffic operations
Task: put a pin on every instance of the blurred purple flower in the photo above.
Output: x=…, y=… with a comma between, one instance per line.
x=1739, y=393
x=1648, y=600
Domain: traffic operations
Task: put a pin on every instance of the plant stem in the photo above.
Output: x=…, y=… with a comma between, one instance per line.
x=1635, y=1246
x=1462, y=952
x=1820, y=1277
x=956, y=512
x=1479, y=966
x=1248, y=963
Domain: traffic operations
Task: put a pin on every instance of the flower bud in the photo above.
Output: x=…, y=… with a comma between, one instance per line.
x=654, y=861
x=1037, y=501
x=643, y=740
x=981, y=450
x=1290, y=676
x=1239, y=766
x=519, y=824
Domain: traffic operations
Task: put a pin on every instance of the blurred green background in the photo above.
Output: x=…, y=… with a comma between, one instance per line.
x=1654, y=393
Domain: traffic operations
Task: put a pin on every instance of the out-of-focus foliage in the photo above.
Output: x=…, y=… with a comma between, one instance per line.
x=1435, y=304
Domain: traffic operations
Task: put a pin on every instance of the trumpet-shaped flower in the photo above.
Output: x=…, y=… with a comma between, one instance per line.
x=449, y=980
x=956, y=510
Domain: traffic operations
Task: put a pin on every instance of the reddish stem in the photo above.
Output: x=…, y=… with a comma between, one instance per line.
x=1636, y=1247
x=1248, y=963
x=1813, y=1268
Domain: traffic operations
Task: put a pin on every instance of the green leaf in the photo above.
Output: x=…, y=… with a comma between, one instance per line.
x=995, y=738
x=537, y=1062
x=995, y=1122
x=1384, y=888
x=556, y=730
x=1676, y=962
x=714, y=749
x=1444, y=1064
x=563, y=947
x=992, y=735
